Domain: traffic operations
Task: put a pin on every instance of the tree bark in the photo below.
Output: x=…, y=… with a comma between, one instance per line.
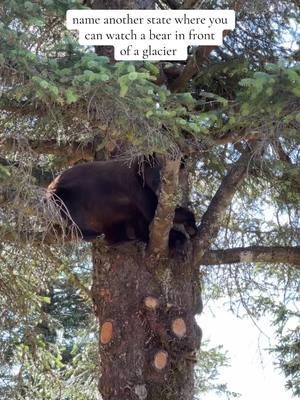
x=253, y=254
x=212, y=218
x=164, y=215
x=146, y=304
x=148, y=333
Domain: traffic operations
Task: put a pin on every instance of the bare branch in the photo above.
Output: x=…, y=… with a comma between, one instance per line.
x=252, y=254
x=215, y=212
x=164, y=215
x=29, y=217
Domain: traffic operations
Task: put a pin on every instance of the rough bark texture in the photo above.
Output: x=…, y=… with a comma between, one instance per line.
x=144, y=356
x=162, y=223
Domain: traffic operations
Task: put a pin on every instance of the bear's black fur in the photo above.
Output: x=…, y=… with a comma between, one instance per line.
x=184, y=227
x=110, y=198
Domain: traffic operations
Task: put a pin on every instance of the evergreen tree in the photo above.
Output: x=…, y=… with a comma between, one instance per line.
x=233, y=114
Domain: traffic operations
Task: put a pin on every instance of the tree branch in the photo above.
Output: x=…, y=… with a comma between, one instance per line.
x=277, y=146
x=212, y=218
x=252, y=254
x=200, y=56
x=233, y=137
x=29, y=217
x=164, y=215
x=44, y=239
x=73, y=152
x=189, y=4
x=27, y=237
x=42, y=177
x=192, y=67
x=173, y=4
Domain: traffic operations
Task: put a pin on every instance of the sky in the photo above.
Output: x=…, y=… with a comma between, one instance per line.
x=252, y=373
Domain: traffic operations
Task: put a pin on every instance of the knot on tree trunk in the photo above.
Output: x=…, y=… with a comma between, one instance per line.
x=172, y=333
x=148, y=334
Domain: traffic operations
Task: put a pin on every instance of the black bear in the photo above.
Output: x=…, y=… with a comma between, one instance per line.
x=111, y=198
x=184, y=227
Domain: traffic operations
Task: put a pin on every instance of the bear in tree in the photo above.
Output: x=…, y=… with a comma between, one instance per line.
x=111, y=198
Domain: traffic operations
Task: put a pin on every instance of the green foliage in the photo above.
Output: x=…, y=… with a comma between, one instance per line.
x=287, y=351
x=207, y=374
x=46, y=373
x=47, y=335
x=272, y=92
x=62, y=74
x=56, y=91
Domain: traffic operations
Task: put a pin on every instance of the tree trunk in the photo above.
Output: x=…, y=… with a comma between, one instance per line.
x=148, y=335
x=146, y=308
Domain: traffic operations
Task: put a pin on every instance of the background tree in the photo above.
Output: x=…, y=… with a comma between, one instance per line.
x=233, y=112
